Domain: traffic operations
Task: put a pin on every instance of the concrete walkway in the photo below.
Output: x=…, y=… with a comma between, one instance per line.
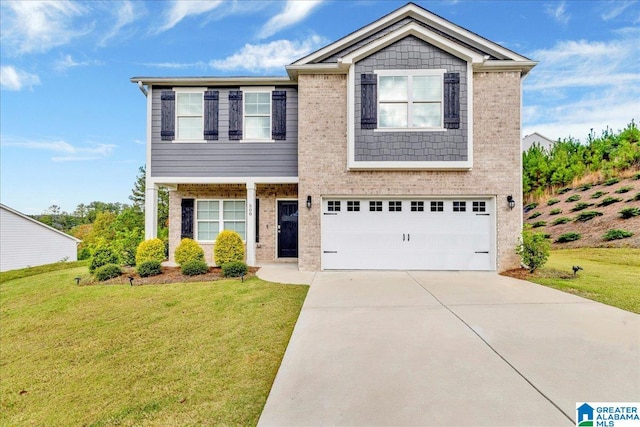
x=449, y=349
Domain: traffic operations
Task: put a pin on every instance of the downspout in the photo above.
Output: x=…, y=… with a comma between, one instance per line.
x=142, y=88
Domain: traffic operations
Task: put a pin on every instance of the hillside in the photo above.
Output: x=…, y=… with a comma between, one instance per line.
x=604, y=197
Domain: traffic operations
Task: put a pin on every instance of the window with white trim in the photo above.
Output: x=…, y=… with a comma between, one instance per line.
x=257, y=115
x=410, y=98
x=213, y=216
x=189, y=115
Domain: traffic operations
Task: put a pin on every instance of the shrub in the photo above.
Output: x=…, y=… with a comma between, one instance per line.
x=574, y=198
x=150, y=250
x=636, y=176
x=530, y=206
x=568, y=237
x=627, y=213
x=83, y=254
x=535, y=215
x=107, y=271
x=565, y=190
x=188, y=250
x=102, y=256
x=551, y=202
x=234, y=269
x=533, y=250
x=609, y=201
x=622, y=190
x=580, y=206
x=598, y=194
x=194, y=267
x=555, y=211
x=585, y=187
x=611, y=181
x=634, y=198
x=228, y=248
x=149, y=268
x=587, y=215
x=561, y=220
x=538, y=224
x=616, y=234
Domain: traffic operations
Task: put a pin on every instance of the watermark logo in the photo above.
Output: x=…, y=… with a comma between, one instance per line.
x=607, y=414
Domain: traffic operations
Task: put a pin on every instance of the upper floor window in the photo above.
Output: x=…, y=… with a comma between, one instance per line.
x=189, y=115
x=257, y=115
x=410, y=98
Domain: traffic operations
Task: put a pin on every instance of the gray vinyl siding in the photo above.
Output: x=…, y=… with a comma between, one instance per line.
x=449, y=145
x=222, y=157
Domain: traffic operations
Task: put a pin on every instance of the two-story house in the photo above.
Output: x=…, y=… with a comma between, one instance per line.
x=395, y=147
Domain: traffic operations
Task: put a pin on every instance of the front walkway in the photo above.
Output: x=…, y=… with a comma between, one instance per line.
x=449, y=349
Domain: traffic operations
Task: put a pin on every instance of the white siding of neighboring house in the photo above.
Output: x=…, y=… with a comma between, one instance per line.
x=534, y=138
x=25, y=242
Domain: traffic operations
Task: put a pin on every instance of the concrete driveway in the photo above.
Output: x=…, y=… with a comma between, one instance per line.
x=450, y=349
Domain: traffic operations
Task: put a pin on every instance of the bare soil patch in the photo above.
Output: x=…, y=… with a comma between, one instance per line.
x=169, y=275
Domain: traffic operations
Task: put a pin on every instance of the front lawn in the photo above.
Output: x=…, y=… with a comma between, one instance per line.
x=174, y=354
x=610, y=275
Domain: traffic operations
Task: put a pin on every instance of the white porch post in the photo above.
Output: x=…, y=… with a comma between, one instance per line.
x=151, y=212
x=251, y=223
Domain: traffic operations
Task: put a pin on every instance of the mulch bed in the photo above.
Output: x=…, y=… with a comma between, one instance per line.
x=169, y=275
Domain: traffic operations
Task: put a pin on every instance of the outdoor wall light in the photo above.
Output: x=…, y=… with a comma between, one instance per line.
x=511, y=202
x=308, y=202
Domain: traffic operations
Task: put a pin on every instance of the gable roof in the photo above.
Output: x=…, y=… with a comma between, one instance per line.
x=482, y=53
x=20, y=214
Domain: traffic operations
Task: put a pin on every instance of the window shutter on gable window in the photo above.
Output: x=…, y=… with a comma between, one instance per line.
x=211, y=102
x=452, y=100
x=235, y=115
x=187, y=219
x=279, y=119
x=369, y=101
x=168, y=115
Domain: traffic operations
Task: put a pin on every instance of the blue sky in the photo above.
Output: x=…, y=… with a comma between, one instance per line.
x=72, y=126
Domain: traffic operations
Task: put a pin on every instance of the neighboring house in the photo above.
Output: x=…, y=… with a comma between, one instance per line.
x=395, y=147
x=25, y=242
x=536, y=138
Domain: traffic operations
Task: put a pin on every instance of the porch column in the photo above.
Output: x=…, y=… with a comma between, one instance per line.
x=151, y=212
x=251, y=223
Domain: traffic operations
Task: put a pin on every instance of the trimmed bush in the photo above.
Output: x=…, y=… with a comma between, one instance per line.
x=627, y=213
x=598, y=194
x=568, y=237
x=234, y=269
x=538, y=224
x=565, y=190
x=609, y=201
x=585, y=187
x=555, y=211
x=611, y=181
x=150, y=250
x=107, y=271
x=551, y=202
x=194, y=267
x=623, y=190
x=149, y=268
x=228, y=248
x=533, y=250
x=561, y=220
x=580, y=206
x=188, y=250
x=587, y=215
x=535, y=215
x=616, y=234
x=574, y=198
x=102, y=256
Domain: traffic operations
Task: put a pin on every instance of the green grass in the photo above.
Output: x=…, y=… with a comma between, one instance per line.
x=156, y=355
x=32, y=271
x=610, y=275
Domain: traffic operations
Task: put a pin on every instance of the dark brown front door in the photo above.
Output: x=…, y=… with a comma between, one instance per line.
x=287, y=229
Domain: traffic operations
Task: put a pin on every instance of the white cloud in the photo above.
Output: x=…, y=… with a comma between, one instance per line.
x=181, y=9
x=558, y=12
x=293, y=12
x=37, y=26
x=269, y=56
x=12, y=78
x=126, y=13
x=615, y=8
x=67, y=62
x=92, y=151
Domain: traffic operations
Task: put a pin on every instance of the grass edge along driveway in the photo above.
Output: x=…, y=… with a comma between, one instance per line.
x=176, y=354
x=610, y=275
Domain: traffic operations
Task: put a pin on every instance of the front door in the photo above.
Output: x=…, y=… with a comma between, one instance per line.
x=287, y=229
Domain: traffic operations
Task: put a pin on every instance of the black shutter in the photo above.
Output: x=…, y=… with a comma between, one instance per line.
x=168, y=115
x=187, y=219
x=235, y=115
x=279, y=111
x=452, y=100
x=211, y=115
x=369, y=101
x=257, y=213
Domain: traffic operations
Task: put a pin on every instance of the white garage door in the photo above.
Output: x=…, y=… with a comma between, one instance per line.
x=408, y=234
